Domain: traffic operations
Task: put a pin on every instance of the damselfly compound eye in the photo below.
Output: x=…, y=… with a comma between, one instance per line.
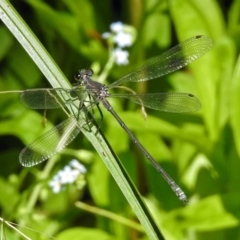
x=78, y=76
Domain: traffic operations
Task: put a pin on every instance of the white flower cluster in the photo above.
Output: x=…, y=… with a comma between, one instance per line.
x=68, y=175
x=123, y=36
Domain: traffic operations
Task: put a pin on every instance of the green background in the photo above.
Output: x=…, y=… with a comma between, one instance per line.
x=199, y=150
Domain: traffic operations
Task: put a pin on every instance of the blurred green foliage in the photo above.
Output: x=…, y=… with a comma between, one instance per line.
x=201, y=151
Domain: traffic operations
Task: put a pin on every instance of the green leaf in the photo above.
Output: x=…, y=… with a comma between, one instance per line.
x=224, y=47
x=153, y=22
x=235, y=109
x=193, y=18
x=55, y=21
x=6, y=42
x=9, y=197
x=84, y=233
x=210, y=214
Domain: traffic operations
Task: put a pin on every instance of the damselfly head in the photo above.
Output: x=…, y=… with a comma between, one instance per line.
x=79, y=76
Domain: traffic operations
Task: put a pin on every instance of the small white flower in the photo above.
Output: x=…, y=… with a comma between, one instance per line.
x=106, y=35
x=78, y=166
x=117, y=27
x=55, y=184
x=123, y=39
x=121, y=56
x=68, y=175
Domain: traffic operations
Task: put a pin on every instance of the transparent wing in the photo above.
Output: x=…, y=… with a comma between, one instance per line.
x=168, y=102
x=50, y=143
x=49, y=98
x=170, y=61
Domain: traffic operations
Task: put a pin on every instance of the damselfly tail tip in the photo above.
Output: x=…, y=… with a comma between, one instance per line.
x=179, y=192
x=184, y=200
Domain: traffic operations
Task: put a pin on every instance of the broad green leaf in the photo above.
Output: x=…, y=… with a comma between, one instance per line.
x=193, y=18
x=224, y=47
x=210, y=214
x=234, y=103
x=6, y=41
x=84, y=233
x=9, y=197
x=55, y=21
